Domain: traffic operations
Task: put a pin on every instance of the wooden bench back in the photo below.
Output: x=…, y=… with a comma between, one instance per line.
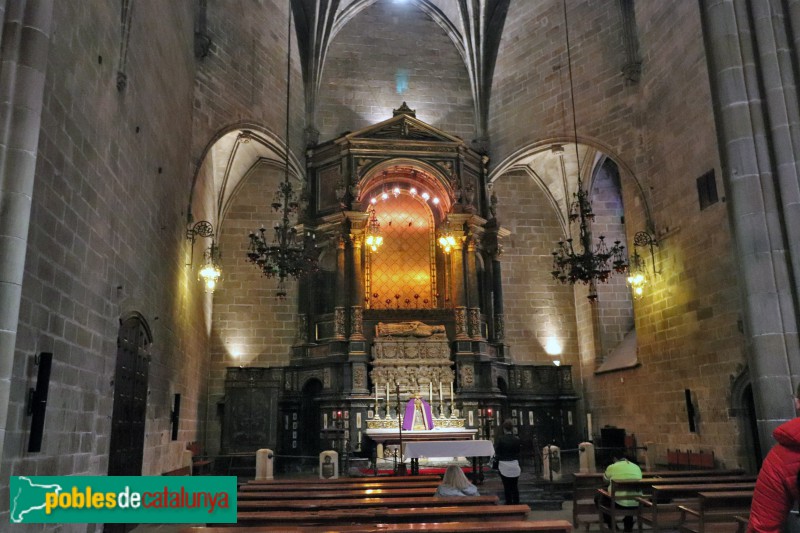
x=385, y=515
x=715, y=508
x=345, y=480
x=662, y=493
x=540, y=526
x=646, y=483
x=364, y=503
x=252, y=487
x=355, y=493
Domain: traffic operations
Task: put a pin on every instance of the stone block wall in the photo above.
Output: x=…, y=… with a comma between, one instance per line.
x=535, y=306
x=243, y=78
x=107, y=238
x=531, y=90
x=371, y=56
x=251, y=326
x=661, y=132
x=687, y=321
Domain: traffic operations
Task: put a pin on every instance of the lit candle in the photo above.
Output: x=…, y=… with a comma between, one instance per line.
x=387, y=393
x=440, y=393
x=451, y=393
x=376, y=396
x=430, y=391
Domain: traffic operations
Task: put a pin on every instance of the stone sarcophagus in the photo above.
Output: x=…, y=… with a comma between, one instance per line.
x=414, y=357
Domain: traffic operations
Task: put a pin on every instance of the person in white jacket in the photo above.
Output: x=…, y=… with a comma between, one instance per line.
x=455, y=483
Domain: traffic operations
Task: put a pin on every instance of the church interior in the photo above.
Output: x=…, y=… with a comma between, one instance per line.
x=257, y=224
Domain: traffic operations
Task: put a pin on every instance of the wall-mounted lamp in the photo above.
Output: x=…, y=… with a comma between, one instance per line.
x=637, y=276
x=374, y=239
x=446, y=238
x=210, y=273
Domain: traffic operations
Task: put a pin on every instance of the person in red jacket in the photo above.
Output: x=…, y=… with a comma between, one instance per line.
x=777, y=484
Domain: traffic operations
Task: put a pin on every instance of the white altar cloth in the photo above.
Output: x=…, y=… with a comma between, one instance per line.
x=449, y=448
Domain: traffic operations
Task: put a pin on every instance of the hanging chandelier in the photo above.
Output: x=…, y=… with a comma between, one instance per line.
x=373, y=239
x=582, y=261
x=287, y=256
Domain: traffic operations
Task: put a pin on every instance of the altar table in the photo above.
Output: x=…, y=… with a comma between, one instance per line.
x=450, y=448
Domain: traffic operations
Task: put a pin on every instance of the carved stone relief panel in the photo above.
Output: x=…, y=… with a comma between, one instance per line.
x=468, y=375
x=359, y=377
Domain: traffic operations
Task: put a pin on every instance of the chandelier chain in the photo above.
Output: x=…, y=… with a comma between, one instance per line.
x=591, y=264
x=285, y=257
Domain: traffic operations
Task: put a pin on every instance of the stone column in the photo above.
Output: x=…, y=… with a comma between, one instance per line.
x=497, y=299
x=357, y=297
x=356, y=302
x=472, y=286
x=26, y=38
x=339, y=311
x=341, y=273
x=757, y=152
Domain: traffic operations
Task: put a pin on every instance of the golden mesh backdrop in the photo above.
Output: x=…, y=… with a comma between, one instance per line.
x=402, y=271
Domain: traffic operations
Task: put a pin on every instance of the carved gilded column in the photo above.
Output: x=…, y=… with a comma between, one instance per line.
x=341, y=279
x=472, y=273
x=356, y=309
x=497, y=291
x=357, y=323
x=358, y=269
x=339, y=323
x=474, y=312
x=459, y=294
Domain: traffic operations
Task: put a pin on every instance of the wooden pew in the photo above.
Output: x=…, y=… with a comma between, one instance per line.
x=340, y=494
x=385, y=515
x=355, y=503
x=345, y=480
x=539, y=526
x=660, y=510
x=254, y=487
x=741, y=523
x=715, y=512
x=200, y=462
x=584, y=489
x=644, y=486
x=694, y=473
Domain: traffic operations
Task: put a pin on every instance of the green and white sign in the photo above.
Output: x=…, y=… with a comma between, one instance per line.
x=122, y=499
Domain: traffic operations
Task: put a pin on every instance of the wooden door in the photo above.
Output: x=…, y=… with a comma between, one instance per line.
x=130, y=399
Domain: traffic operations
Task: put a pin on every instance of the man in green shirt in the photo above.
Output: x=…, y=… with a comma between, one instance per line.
x=622, y=469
